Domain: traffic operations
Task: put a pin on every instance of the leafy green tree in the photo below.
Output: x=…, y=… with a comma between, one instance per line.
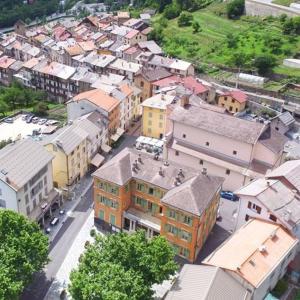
x=163, y=4
x=264, y=63
x=171, y=11
x=23, y=251
x=232, y=40
x=122, y=266
x=3, y=107
x=185, y=19
x=196, y=26
x=288, y=26
x=235, y=8
x=41, y=109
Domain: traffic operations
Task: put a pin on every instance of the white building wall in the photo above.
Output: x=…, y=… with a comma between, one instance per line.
x=8, y=197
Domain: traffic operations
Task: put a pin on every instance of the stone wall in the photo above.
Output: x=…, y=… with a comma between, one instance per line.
x=264, y=8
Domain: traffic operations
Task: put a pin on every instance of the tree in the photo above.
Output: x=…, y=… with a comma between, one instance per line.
x=41, y=109
x=235, y=8
x=23, y=251
x=196, y=27
x=185, y=19
x=288, y=26
x=264, y=63
x=171, y=11
x=231, y=40
x=3, y=107
x=122, y=266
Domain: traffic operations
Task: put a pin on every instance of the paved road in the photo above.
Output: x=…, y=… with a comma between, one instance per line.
x=59, y=248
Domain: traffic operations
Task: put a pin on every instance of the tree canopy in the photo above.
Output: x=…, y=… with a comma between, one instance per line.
x=23, y=251
x=235, y=8
x=122, y=266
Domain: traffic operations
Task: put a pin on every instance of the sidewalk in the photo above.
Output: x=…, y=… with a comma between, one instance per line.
x=69, y=205
x=61, y=280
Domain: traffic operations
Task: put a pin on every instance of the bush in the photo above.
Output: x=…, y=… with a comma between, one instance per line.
x=171, y=11
x=93, y=232
x=280, y=288
x=235, y=9
x=264, y=63
x=185, y=19
x=41, y=109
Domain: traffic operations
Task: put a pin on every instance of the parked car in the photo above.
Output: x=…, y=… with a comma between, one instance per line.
x=8, y=120
x=51, y=122
x=48, y=230
x=35, y=120
x=229, y=196
x=54, y=221
x=62, y=212
x=42, y=121
x=24, y=117
x=29, y=118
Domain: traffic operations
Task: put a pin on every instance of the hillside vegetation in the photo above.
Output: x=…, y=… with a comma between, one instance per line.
x=246, y=42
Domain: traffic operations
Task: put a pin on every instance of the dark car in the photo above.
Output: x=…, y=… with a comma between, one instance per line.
x=229, y=196
x=29, y=118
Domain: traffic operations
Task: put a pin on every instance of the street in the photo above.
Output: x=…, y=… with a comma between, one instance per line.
x=59, y=247
x=63, y=237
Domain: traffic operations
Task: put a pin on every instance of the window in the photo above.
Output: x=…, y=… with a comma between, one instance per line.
x=247, y=218
x=177, y=153
x=230, y=108
x=45, y=180
x=160, y=124
x=149, y=130
x=161, y=117
x=187, y=220
x=151, y=191
x=184, y=135
x=26, y=199
x=150, y=114
x=201, y=162
x=207, y=143
x=83, y=149
x=277, y=128
x=101, y=214
x=140, y=187
x=232, y=101
x=186, y=235
x=34, y=203
x=227, y=172
x=160, y=209
x=172, y=214
x=40, y=197
x=72, y=153
x=112, y=220
x=272, y=218
x=142, y=83
x=257, y=208
x=149, y=122
x=26, y=187
x=28, y=210
x=234, y=152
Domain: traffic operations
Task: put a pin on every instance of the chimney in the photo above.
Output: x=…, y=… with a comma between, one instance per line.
x=184, y=101
x=204, y=171
x=161, y=171
x=140, y=158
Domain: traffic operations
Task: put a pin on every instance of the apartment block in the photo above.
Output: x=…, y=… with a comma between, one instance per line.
x=133, y=191
x=226, y=146
x=26, y=182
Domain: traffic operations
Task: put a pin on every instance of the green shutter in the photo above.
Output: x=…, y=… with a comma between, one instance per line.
x=189, y=237
x=144, y=203
x=167, y=228
x=113, y=219
x=101, y=214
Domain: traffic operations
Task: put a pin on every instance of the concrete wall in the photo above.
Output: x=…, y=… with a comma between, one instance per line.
x=261, y=8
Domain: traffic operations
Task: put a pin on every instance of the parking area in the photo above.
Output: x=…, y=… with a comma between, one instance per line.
x=17, y=127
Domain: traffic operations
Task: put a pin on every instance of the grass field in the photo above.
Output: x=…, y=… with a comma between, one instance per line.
x=283, y=2
x=210, y=44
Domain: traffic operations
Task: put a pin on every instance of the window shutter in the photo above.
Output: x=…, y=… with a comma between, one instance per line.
x=167, y=227
x=189, y=237
x=249, y=204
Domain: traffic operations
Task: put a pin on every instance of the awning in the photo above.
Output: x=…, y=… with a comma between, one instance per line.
x=97, y=160
x=105, y=148
x=117, y=135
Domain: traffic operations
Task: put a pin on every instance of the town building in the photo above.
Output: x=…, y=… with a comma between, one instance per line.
x=96, y=100
x=257, y=256
x=146, y=78
x=154, y=117
x=5, y=73
x=283, y=122
x=26, y=183
x=199, y=282
x=229, y=147
x=233, y=101
x=133, y=191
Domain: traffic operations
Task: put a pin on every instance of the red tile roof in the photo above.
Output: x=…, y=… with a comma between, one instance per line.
x=192, y=84
x=237, y=95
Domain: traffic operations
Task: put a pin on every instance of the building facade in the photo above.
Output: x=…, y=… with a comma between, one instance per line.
x=133, y=191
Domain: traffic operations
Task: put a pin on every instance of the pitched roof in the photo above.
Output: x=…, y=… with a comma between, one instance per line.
x=218, y=123
x=286, y=118
x=156, y=74
x=194, y=195
x=119, y=170
x=99, y=98
x=239, y=96
x=273, y=140
x=21, y=161
x=247, y=260
x=192, y=84
x=6, y=61
x=290, y=170
x=198, y=282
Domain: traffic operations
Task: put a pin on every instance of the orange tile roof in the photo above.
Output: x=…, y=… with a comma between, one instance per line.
x=242, y=253
x=6, y=61
x=31, y=63
x=74, y=50
x=126, y=89
x=99, y=98
x=87, y=46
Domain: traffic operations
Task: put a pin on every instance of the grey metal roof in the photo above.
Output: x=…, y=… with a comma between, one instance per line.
x=19, y=162
x=218, y=123
x=156, y=74
x=286, y=118
x=199, y=282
